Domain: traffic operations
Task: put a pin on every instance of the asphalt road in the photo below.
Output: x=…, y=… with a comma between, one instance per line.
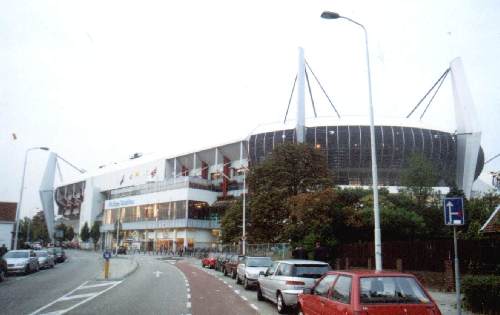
x=25, y=294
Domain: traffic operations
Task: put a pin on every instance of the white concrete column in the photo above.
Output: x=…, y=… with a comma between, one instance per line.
x=175, y=240
x=301, y=111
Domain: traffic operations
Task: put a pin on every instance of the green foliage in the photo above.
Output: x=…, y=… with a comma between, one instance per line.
x=70, y=234
x=291, y=169
x=419, y=177
x=482, y=293
x=85, y=233
x=38, y=228
x=95, y=232
x=231, y=222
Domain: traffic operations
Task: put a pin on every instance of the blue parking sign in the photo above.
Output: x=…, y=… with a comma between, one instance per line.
x=106, y=255
x=454, y=211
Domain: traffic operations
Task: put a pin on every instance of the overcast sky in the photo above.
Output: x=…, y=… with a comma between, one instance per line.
x=99, y=80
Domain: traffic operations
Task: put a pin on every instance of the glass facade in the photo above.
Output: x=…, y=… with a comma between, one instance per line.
x=348, y=151
x=161, y=211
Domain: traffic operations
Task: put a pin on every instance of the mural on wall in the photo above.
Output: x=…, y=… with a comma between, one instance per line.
x=69, y=199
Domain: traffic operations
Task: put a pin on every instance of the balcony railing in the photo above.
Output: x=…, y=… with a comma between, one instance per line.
x=164, y=224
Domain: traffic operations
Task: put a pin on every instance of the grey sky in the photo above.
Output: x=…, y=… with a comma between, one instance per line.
x=99, y=80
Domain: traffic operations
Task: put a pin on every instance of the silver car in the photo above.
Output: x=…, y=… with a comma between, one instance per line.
x=285, y=279
x=249, y=268
x=45, y=259
x=21, y=261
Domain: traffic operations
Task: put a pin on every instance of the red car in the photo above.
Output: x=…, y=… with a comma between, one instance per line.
x=367, y=293
x=209, y=261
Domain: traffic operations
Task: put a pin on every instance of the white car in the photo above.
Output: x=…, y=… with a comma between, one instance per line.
x=286, y=279
x=21, y=261
x=249, y=268
x=45, y=259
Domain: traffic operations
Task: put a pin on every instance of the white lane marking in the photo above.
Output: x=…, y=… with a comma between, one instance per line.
x=237, y=291
x=158, y=273
x=189, y=290
x=188, y=304
x=230, y=286
x=60, y=312
x=76, y=296
x=254, y=307
x=98, y=285
x=189, y=296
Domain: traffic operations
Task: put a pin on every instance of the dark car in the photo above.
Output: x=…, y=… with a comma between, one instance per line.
x=231, y=265
x=59, y=254
x=221, y=261
x=367, y=292
x=3, y=269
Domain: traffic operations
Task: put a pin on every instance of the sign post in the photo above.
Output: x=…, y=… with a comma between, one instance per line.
x=454, y=215
x=106, y=255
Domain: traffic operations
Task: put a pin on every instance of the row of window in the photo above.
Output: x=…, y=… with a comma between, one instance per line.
x=162, y=211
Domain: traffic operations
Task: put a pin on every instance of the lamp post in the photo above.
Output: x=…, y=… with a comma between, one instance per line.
x=18, y=208
x=244, y=236
x=376, y=210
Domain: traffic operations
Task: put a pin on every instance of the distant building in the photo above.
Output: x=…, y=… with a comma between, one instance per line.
x=7, y=221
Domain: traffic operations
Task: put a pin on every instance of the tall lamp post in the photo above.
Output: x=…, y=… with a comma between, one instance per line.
x=244, y=236
x=376, y=211
x=18, y=208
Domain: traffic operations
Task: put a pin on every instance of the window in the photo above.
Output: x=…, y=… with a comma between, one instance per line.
x=284, y=270
x=324, y=285
x=387, y=290
x=272, y=269
x=310, y=271
x=342, y=290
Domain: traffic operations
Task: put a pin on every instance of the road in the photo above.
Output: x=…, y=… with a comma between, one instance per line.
x=158, y=286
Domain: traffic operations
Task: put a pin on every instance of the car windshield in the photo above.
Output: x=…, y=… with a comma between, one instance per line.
x=259, y=262
x=42, y=254
x=16, y=255
x=391, y=290
x=309, y=271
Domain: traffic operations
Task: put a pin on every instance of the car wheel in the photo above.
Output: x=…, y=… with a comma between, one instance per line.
x=238, y=281
x=234, y=275
x=280, y=304
x=2, y=275
x=225, y=272
x=26, y=269
x=299, y=310
x=246, y=285
x=260, y=297
x=52, y=265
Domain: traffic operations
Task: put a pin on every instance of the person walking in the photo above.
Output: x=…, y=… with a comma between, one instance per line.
x=3, y=250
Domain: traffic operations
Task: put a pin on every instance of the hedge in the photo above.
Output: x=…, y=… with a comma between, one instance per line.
x=482, y=293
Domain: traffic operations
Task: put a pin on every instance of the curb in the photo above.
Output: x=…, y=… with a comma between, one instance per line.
x=134, y=269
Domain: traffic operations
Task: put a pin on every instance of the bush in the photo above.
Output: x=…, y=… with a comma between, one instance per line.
x=482, y=293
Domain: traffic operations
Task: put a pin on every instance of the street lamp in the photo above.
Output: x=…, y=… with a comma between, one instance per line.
x=244, y=236
x=18, y=208
x=376, y=211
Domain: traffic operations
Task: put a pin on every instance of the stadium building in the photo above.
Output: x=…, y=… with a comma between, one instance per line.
x=164, y=201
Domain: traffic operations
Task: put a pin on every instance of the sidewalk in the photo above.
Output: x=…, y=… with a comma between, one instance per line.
x=119, y=268
x=447, y=302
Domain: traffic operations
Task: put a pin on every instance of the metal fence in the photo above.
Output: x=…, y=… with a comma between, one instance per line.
x=274, y=250
x=475, y=256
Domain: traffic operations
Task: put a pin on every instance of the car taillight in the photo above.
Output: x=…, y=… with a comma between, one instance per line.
x=295, y=283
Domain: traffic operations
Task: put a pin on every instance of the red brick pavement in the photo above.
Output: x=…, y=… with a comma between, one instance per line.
x=210, y=296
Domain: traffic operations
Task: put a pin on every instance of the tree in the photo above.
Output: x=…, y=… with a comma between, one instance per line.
x=95, y=232
x=39, y=231
x=419, y=178
x=85, y=233
x=231, y=222
x=70, y=234
x=291, y=169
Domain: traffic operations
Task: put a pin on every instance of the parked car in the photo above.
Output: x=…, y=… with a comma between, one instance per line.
x=231, y=265
x=209, y=261
x=284, y=280
x=367, y=292
x=21, y=261
x=221, y=261
x=249, y=268
x=3, y=269
x=59, y=254
x=45, y=259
